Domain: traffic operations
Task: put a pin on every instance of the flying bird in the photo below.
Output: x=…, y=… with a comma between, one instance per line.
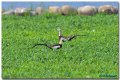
x=67, y=38
x=55, y=46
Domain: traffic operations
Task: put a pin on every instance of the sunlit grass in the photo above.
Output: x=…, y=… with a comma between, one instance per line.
x=83, y=57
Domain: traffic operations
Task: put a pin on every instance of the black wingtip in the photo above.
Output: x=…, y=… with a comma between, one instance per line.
x=38, y=44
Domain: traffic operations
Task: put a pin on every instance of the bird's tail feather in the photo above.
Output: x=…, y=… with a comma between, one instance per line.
x=80, y=35
x=75, y=37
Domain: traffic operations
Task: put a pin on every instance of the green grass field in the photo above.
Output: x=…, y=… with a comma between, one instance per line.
x=91, y=56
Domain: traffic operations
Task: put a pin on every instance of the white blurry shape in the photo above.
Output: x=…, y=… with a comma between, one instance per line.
x=93, y=30
x=58, y=29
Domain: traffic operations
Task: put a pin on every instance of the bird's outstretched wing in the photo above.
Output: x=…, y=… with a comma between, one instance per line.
x=55, y=46
x=69, y=38
x=72, y=37
x=39, y=44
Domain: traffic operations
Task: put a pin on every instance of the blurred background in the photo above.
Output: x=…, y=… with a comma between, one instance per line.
x=13, y=5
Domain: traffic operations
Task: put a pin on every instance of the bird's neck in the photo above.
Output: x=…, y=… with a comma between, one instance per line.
x=60, y=41
x=60, y=33
x=60, y=36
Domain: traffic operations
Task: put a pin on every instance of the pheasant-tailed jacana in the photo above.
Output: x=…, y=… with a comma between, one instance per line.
x=67, y=38
x=55, y=46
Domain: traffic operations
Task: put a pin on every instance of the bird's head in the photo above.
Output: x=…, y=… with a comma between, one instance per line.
x=59, y=30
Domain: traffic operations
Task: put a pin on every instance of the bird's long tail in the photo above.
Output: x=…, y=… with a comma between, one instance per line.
x=40, y=44
x=80, y=35
x=75, y=37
